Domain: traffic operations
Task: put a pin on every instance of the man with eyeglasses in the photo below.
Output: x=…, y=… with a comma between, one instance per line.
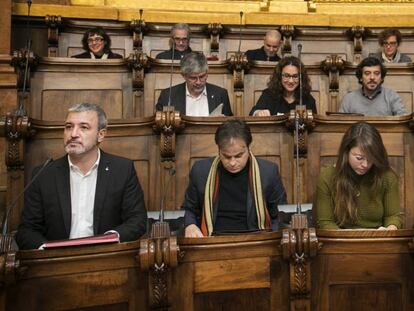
x=196, y=97
x=372, y=99
x=389, y=40
x=180, y=43
x=268, y=52
x=97, y=45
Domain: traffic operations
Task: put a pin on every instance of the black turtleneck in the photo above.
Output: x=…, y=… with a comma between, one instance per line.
x=232, y=200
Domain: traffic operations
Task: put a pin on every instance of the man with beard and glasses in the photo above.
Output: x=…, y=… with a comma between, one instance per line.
x=86, y=192
x=195, y=97
x=372, y=99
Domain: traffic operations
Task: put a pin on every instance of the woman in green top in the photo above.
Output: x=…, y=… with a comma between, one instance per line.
x=362, y=190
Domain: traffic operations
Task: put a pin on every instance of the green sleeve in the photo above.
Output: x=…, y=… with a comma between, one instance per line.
x=391, y=201
x=323, y=201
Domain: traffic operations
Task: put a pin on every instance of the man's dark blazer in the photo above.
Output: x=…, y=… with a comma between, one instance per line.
x=260, y=54
x=177, y=54
x=119, y=203
x=273, y=193
x=111, y=55
x=215, y=96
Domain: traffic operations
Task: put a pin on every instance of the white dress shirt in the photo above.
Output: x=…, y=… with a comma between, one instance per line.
x=196, y=106
x=82, y=194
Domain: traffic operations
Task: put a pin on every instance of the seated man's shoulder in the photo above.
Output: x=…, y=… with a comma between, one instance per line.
x=405, y=58
x=266, y=165
x=164, y=55
x=203, y=164
x=216, y=88
x=376, y=55
x=115, y=159
x=251, y=53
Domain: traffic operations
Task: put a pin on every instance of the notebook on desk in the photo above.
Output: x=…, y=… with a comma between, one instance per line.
x=90, y=240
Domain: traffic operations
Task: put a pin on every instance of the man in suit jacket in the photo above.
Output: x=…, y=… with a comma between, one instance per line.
x=85, y=193
x=179, y=41
x=268, y=52
x=233, y=191
x=195, y=97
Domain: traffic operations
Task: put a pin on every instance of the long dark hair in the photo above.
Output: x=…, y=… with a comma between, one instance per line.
x=368, y=139
x=275, y=83
x=100, y=32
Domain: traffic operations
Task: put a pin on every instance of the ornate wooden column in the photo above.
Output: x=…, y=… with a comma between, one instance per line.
x=215, y=30
x=299, y=244
x=159, y=252
x=15, y=129
x=358, y=34
x=138, y=62
x=305, y=124
x=238, y=65
x=288, y=33
x=53, y=23
x=333, y=66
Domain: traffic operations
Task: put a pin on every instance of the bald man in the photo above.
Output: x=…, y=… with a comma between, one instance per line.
x=268, y=52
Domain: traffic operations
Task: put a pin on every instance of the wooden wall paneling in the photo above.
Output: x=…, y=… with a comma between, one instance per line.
x=255, y=287
x=354, y=273
x=59, y=83
x=93, y=277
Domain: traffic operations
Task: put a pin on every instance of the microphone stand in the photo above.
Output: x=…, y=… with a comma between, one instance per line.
x=240, y=32
x=171, y=72
x=20, y=110
x=299, y=220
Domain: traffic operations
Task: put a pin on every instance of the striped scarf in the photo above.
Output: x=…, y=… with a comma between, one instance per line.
x=212, y=190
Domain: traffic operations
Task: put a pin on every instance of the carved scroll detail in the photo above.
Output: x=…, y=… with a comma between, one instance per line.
x=298, y=246
x=158, y=254
x=215, y=30
x=239, y=65
x=305, y=119
x=288, y=33
x=139, y=29
x=15, y=128
x=19, y=63
x=358, y=34
x=333, y=66
x=167, y=123
x=138, y=62
x=53, y=22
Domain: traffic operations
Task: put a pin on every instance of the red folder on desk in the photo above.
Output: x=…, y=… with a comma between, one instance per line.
x=90, y=240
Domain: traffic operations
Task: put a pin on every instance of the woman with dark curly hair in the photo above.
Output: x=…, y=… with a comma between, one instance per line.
x=97, y=44
x=283, y=92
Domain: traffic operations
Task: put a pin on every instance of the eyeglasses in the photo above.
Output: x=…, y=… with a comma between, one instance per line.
x=196, y=77
x=390, y=44
x=183, y=40
x=287, y=77
x=97, y=40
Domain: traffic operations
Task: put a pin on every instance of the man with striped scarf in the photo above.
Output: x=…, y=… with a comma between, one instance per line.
x=235, y=191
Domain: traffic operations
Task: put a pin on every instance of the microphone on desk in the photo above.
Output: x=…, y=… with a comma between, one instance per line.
x=171, y=173
x=12, y=205
x=171, y=72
